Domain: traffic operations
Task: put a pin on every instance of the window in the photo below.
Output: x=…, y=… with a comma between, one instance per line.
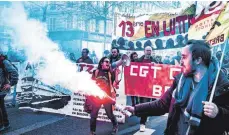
x=74, y=22
x=109, y=27
x=52, y=24
x=81, y=25
x=101, y=26
x=70, y=22
x=92, y=25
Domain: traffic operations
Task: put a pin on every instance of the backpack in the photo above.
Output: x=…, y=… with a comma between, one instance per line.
x=2, y=58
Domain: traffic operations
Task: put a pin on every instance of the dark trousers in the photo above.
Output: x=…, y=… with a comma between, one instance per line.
x=94, y=115
x=3, y=114
x=135, y=100
x=144, y=100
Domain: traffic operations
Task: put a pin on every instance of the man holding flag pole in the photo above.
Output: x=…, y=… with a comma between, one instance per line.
x=197, y=101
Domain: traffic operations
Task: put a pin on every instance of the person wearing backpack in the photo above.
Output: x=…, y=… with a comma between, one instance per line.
x=103, y=77
x=8, y=78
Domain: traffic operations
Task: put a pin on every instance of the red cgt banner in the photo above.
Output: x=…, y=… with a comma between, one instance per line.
x=148, y=79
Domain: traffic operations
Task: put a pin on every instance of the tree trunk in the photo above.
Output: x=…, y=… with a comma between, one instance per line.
x=44, y=13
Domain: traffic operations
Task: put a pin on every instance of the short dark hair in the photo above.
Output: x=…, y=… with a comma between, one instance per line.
x=115, y=48
x=86, y=50
x=200, y=48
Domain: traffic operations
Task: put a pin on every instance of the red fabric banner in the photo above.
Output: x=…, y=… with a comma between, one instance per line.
x=148, y=79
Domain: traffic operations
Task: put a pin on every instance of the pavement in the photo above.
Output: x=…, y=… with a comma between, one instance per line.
x=29, y=122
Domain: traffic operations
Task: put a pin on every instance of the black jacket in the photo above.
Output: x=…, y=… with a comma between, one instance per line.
x=114, y=59
x=151, y=59
x=8, y=75
x=208, y=126
x=85, y=60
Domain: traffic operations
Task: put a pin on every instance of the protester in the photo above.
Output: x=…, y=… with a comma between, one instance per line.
x=114, y=57
x=134, y=58
x=159, y=60
x=106, y=53
x=94, y=57
x=72, y=57
x=102, y=76
x=166, y=60
x=85, y=58
x=187, y=100
x=146, y=58
x=176, y=59
x=8, y=78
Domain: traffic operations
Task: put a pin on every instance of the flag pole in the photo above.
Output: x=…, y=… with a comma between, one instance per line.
x=217, y=75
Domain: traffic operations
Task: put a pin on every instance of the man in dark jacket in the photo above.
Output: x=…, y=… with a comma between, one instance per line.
x=146, y=58
x=134, y=58
x=85, y=58
x=114, y=57
x=8, y=78
x=187, y=100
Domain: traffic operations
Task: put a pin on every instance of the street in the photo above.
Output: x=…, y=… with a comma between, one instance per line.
x=29, y=122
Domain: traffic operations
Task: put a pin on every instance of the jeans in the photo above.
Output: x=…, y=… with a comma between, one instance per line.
x=135, y=100
x=94, y=115
x=3, y=114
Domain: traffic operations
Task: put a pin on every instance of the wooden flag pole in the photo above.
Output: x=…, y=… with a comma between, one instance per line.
x=217, y=75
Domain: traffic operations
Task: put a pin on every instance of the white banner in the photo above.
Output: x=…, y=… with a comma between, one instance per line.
x=33, y=94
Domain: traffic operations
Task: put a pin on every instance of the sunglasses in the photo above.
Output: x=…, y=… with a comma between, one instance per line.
x=106, y=61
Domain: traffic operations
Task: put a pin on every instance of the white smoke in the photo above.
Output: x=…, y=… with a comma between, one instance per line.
x=31, y=35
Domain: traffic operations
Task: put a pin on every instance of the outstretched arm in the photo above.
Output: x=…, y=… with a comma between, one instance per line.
x=157, y=107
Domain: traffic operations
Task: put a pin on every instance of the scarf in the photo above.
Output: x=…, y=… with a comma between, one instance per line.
x=190, y=98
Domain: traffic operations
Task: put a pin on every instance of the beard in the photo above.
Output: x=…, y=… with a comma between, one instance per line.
x=114, y=56
x=191, y=72
x=147, y=56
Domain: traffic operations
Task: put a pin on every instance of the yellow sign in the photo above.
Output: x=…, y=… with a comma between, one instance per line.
x=219, y=33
